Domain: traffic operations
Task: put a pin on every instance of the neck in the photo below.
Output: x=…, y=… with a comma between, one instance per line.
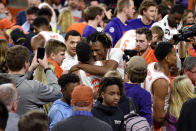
x=122, y=17
x=93, y=23
x=22, y=72
x=146, y=21
x=66, y=100
x=143, y=52
x=163, y=67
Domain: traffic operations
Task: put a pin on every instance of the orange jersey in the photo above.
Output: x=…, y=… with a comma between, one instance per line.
x=79, y=27
x=149, y=56
x=58, y=69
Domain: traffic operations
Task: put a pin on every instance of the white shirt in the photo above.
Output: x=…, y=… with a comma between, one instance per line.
x=26, y=26
x=116, y=54
x=69, y=61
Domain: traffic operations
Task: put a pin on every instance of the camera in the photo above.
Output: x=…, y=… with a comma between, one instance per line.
x=185, y=33
x=128, y=54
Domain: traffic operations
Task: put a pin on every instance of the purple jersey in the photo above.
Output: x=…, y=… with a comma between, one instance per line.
x=88, y=30
x=115, y=28
x=137, y=23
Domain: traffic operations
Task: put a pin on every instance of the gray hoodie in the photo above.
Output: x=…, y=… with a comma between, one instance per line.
x=33, y=94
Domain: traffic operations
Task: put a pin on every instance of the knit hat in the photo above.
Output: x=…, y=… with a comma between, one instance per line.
x=82, y=95
x=137, y=64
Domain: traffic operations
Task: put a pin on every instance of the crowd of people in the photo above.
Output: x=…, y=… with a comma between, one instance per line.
x=93, y=64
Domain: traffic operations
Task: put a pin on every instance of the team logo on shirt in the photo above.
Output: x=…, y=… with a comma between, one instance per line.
x=111, y=29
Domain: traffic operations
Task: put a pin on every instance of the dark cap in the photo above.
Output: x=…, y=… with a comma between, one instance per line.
x=18, y=36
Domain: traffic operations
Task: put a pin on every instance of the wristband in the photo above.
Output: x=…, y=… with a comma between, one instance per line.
x=45, y=70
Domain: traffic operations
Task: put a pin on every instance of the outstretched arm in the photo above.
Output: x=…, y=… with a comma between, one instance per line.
x=96, y=70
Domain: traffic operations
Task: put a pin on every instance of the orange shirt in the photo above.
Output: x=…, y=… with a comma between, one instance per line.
x=149, y=56
x=79, y=27
x=192, y=51
x=58, y=69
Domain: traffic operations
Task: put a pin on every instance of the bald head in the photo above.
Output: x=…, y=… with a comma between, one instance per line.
x=8, y=93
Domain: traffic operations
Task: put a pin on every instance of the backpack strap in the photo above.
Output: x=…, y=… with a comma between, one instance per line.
x=132, y=105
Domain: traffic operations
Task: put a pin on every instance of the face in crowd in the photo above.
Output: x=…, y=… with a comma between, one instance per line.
x=111, y=95
x=71, y=43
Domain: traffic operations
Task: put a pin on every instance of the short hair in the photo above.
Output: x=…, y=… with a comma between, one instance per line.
x=92, y=12
x=122, y=4
x=3, y=116
x=145, y=5
x=83, y=51
x=16, y=57
x=65, y=79
x=145, y=31
x=163, y=10
x=113, y=73
x=72, y=33
x=40, y=21
x=157, y=30
x=32, y=10
x=101, y=37
x=108, y=81
x=7, y=92
x=33, y=121
x=189, y=63
x=44, y=12
x=177, y=8
x=162, y=50
x=54, y=46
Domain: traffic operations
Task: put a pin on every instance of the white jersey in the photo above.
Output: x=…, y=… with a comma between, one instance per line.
x=47, y=35
x=116, y=54
x=128, y=40
x=69, y=61
x=168, y=31
x=152, y=76
x=90, y=80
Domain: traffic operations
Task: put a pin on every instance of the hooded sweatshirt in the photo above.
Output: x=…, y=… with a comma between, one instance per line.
x=111, y=115
x=33, y=94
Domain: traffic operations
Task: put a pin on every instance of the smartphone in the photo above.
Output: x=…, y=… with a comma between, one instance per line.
x=40, y=53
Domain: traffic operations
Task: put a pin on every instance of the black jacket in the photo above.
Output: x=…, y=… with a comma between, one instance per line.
x=111, y=115
x=81, y=123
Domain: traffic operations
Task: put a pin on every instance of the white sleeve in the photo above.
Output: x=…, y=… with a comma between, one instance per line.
x=116, y=54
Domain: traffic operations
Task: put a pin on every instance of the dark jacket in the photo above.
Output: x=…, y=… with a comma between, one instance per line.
x=21, y=18
x=187, y=119
x=81, y=123
x=111, y=115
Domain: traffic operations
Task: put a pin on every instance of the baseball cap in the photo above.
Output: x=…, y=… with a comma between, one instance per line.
x=82, y=95
x=137, y=64
x=17, y=36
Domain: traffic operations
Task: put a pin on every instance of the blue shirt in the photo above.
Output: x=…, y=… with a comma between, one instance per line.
x=88, y=30
x=115, y=28
x=59, y=111
x=142, y=98
x=137, y=23
x=82, y=113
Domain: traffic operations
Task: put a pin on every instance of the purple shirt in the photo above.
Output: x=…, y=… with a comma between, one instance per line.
x=137, y=23
x=88, y=30
x=142, y=98
x=115, y=28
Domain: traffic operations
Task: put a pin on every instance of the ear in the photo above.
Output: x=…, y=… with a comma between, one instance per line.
x=102, y=94
x=52, y=56
x=149, y=42
x=26, y=65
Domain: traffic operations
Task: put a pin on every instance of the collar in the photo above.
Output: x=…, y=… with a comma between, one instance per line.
x=82, y=113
